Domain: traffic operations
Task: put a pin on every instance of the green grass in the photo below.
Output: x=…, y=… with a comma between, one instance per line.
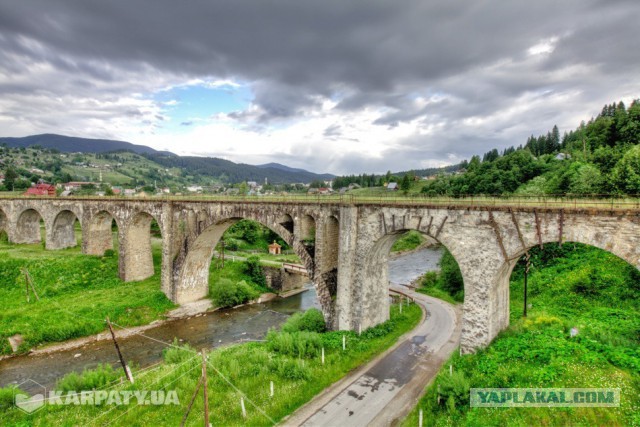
x=234, y=271
x=249, y=367
x=573, y=286
x=76, y=293
x=408, y=241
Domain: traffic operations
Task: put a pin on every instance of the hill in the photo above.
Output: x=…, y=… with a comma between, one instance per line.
x=228, y=171
x=599, y=157
x=71, y=144
x=153, y=164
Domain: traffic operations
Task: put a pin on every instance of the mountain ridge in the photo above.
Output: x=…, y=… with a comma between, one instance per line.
x=215, y=167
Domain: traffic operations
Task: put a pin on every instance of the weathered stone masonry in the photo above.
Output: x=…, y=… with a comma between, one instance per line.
x=345, y=248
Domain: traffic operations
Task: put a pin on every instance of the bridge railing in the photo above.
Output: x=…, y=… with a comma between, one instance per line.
x=596, y=201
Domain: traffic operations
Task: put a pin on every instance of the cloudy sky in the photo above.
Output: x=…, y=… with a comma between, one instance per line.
x=330, y=86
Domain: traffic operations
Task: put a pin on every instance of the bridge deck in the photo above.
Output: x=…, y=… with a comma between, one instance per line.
x=468, y=202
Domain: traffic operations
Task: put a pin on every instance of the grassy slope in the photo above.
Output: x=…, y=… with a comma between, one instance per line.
x=585, y=288
x=250, y=367
x=76, y=293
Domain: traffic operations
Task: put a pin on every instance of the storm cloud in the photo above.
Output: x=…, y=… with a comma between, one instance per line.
x=337, y=86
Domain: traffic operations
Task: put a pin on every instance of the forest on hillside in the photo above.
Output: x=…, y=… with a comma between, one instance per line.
x=599, y=157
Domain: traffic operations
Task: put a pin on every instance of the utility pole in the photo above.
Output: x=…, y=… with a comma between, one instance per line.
x=127, y=372
x=222, y=247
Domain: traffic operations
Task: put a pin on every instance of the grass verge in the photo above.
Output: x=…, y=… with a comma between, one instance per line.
x=241, y=370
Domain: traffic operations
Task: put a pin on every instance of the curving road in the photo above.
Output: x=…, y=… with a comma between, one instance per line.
x=384, y=391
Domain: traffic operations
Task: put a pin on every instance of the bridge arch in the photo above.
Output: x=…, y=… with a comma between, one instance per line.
x=62, y=234
x=136, y=256
x=593, y=237
x=193, y=277
x=375, y=272
x=28, y=226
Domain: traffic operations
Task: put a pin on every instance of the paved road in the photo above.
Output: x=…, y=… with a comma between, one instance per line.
x=390, y=386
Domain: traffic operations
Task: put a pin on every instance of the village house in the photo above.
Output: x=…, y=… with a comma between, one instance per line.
x=41, y=190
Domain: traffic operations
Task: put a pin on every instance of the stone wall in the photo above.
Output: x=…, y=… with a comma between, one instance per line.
x=282, y=281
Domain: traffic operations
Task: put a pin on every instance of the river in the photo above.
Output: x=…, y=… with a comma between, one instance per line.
x=210, y=330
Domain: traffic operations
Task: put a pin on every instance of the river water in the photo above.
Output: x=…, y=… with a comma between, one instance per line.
x=210, y=330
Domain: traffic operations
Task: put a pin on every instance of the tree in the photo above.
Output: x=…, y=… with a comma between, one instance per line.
x=405, y=184
x=10, y=176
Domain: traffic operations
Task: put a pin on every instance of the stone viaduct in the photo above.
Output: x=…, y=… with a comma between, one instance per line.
x=344, y=246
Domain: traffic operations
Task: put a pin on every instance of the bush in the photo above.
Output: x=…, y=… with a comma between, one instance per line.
x=90, y=379
x=311, y=320
x=300, y=344
x=450, y=278
x=7, y=396
x=225, y=293
x=178, y=353
x=254, y=270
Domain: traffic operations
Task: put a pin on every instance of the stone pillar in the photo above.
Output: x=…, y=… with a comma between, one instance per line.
x=136, y=260
x=345, y=304
x=97, y=235
x=485, y=311
x=166, y=279
x=27, y=228
x=62, y=233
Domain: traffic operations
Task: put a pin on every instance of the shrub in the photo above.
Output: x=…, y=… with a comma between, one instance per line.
x=109, y=253
x=225, y=293
x=311, y=320
x=7, y=396
x=454, y=390
x=90, y=379
x=300, y=344
x=254, y=270
x=178, y=353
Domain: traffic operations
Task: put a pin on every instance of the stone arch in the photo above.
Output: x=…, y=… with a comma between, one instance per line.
x=307, y=233
x=136, y=257
x=63, y=233
x=375, y=270
x=501, y=282
x=286, y=221
x=28, y=227
x=193, y=278
x=97, y=233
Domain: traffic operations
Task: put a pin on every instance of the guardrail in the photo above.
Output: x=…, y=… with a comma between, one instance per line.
x=599, y=201
x=295, y=268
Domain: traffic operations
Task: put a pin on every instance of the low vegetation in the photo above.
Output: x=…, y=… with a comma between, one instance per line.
x=291, y=359
x=573, y=286
x=77, y=292
x=409, y=241
x=447, y=283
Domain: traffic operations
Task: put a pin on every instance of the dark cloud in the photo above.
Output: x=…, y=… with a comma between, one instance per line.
x=460, y=69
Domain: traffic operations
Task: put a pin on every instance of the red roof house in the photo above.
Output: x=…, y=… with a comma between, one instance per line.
x=41, y=190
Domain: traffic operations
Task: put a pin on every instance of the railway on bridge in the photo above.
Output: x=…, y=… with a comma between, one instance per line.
x=344, y=243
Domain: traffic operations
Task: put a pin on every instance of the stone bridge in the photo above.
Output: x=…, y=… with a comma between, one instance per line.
x=344, y=246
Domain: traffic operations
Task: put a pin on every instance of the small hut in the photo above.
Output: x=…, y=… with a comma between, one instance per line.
x=275, y=249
